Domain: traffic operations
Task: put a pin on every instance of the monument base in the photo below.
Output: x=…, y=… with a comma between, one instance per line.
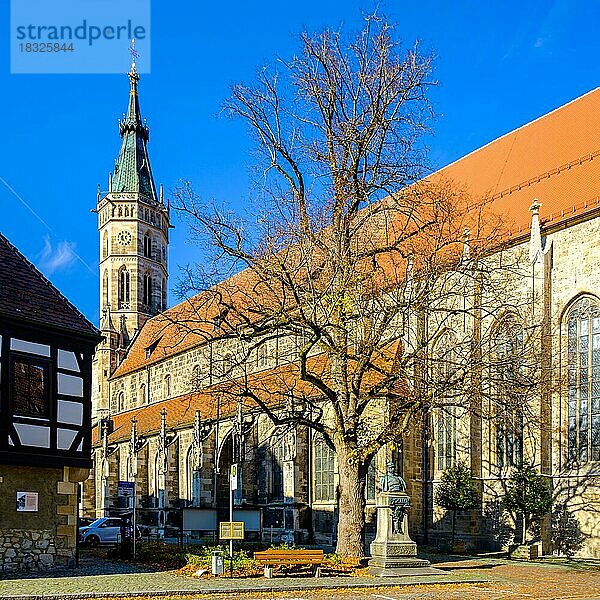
x=410, y=571
x=393, y=553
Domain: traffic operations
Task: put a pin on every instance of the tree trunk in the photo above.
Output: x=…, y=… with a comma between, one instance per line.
x=351, y=520
x=453, y=530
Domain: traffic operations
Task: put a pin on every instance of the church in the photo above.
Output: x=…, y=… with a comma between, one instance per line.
x=161, y=421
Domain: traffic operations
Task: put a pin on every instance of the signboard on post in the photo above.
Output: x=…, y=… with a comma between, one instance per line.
x=125, y=489
x=231, y=530
x=234, y=477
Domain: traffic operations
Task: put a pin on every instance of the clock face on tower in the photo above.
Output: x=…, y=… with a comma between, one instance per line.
x=124, y=238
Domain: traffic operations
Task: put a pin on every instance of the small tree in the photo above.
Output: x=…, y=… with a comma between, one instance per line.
x=567, y=537
x=457, y=491
x=527, y=497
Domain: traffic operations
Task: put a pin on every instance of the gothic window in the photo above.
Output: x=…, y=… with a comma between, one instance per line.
x=583, y=400
x=371, y=483
x=147, y=295
x=507, y=382
x=261, y=355
x=143, y=399
x=123, y=285
x=276, y=471
x=446, y=415
x=167, y=386
x=105, y=296
x=147, y=245
x=196, y=378
x=324, y=471
x=29, y=387
x=227, y=365
x=121, y=401
x=194, y=478
x=164, y=293
x=105, y=245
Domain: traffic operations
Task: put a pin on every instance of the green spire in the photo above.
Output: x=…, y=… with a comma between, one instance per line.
x=132, y=169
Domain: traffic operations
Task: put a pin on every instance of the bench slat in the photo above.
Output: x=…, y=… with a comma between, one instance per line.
x=289, y=557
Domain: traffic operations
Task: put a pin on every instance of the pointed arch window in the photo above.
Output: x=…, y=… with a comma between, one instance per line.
x=194, y=478
x=105, y=295
x=324, y=470
x=147, y=245
x=147, y=296
x=583, y=369
x=105, y=245
x=167, y=386
x=508, y=381
x=143, y=394
x=196, y=378
x=445, y=365
x=124, y=289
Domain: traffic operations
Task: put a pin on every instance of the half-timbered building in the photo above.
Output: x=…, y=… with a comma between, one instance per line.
x=46, y=348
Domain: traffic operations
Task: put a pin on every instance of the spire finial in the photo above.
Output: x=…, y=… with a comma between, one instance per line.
x=133, y=74
x=535, y=206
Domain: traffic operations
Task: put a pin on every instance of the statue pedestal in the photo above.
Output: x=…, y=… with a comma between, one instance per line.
x=393, y=553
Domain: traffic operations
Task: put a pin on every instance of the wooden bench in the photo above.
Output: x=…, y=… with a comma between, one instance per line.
x=271, y=558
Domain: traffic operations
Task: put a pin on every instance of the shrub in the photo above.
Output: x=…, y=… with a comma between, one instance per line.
x=565, y=534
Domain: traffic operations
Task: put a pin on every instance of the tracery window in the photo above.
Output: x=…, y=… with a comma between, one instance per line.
x=196, y=382
x=324, y=470
x=194, y=478
x=508, y=380
x=276, y=471
x=371, y=482
x=583, y=400
x=446, y=414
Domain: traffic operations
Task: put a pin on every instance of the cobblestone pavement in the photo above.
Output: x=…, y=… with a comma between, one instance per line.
x=473, y=579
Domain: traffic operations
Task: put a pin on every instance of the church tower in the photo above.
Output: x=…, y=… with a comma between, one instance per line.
x=133, y=223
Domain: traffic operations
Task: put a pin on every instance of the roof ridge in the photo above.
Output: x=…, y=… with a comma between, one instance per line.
x=37, y=273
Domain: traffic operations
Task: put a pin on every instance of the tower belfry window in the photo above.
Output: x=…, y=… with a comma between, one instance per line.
x=147, y=289
x=147, y=246
x=123, y=285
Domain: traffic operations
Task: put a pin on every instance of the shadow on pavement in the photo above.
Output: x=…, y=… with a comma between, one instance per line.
x=90, y=563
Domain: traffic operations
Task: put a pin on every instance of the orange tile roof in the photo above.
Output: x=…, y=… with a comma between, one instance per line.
x=555, y=159
x=269, y=386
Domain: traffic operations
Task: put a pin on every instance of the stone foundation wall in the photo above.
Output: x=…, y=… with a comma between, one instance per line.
x=21, y=549
x=44, y=538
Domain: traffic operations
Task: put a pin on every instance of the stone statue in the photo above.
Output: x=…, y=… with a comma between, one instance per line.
x=392, y=550
x=391, y=482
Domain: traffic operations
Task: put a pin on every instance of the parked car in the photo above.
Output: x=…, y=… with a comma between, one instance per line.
x=105, y=530
x=86, y=521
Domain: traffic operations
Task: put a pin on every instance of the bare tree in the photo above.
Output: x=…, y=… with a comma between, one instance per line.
x=355, y=265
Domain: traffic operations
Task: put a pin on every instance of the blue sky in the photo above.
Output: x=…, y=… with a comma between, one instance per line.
x=499, y=65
